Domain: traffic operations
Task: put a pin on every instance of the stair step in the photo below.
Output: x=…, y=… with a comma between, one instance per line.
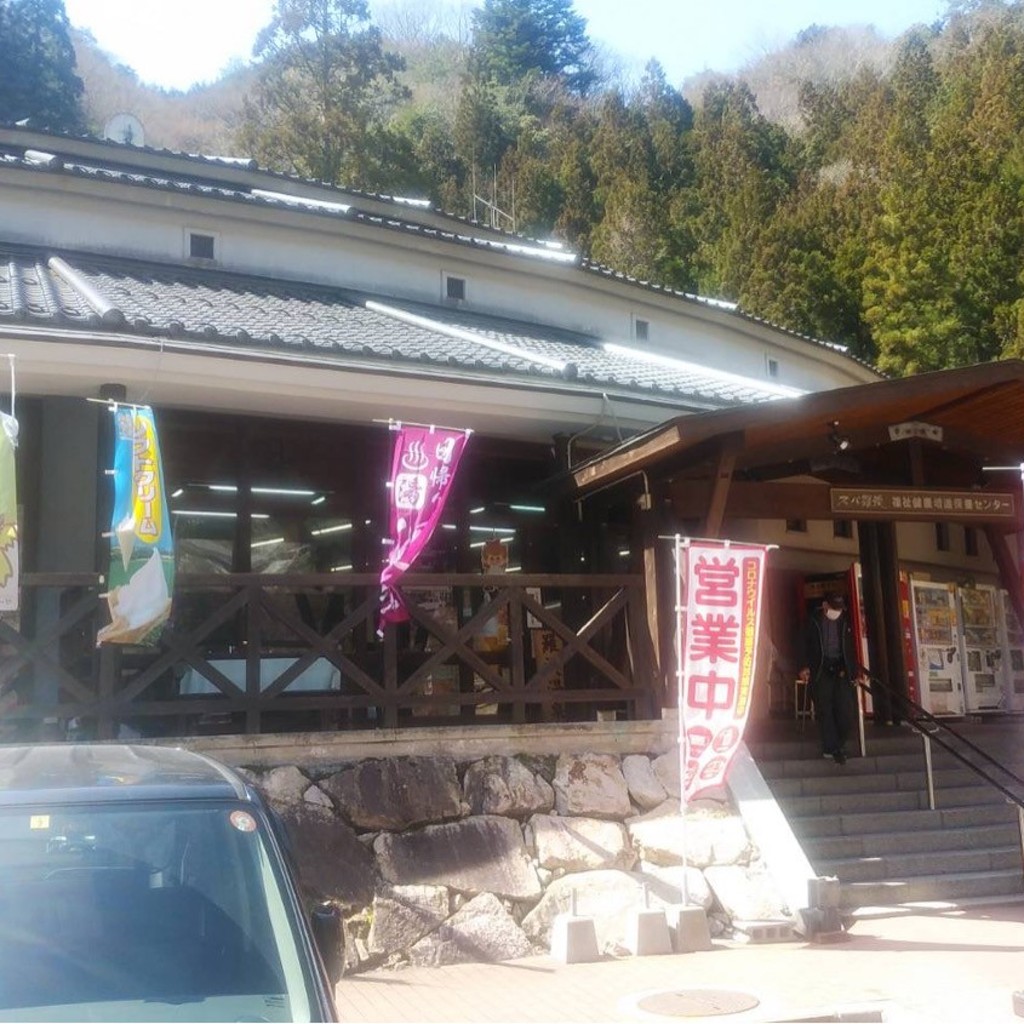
x=813, y=766
x=968, y=796
x=854, y=824
x=913, y=865
x=924, y=888
x=809, y=746
x=851, y=803
x=837, y=779
x=880, y=844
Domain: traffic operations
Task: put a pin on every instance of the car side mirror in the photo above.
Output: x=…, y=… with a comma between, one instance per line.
x=329, y=936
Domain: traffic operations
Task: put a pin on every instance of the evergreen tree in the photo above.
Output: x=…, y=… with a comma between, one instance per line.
x=743, y=170
x=37, y=66
x=512, y=38
x=325, y=89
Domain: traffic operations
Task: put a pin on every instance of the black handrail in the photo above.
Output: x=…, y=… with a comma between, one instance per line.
x=932, y=732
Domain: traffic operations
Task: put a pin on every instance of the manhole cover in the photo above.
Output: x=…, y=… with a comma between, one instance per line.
x=697, y=1002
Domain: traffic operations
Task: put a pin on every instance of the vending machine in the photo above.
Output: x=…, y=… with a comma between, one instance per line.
x=937, y=646
x=1012, y=637
x=980, y=648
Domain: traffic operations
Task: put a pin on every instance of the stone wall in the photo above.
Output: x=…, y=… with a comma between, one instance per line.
x=438, y=861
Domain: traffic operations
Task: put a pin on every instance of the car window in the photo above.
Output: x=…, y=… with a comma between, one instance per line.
x=159, y=912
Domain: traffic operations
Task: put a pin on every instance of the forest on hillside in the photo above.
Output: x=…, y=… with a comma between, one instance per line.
x=864, y=191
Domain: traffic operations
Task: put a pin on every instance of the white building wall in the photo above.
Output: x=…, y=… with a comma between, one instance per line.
x=86, y=215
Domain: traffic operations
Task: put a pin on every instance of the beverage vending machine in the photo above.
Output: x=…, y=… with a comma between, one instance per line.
x=1012, y=637
x=937, y=646
x=981, y=648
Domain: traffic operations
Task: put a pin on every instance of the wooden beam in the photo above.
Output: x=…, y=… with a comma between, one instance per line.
x=1007, y=566
x=720, y=488
x=691, y=499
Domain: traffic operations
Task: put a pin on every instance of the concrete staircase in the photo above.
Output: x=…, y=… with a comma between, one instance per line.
x=867, y=822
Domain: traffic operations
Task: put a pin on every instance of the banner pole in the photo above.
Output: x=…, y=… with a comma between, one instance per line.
x=680, y=723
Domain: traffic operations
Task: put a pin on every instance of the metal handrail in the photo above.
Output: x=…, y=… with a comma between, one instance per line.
x=931, y=730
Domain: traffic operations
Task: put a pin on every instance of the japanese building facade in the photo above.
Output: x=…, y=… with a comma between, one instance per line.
x=276, y=326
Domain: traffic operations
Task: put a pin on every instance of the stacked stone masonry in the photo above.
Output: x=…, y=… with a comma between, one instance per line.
x=436, y=862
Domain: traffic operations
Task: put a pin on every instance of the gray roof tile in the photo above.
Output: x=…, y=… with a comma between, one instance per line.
x=215, y=309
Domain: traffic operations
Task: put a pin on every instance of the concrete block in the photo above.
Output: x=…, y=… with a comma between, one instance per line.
x=764, y=931
x=689, y=929
x=823, y=892
x=574, y=940
x=814, y=922
x=648, y=933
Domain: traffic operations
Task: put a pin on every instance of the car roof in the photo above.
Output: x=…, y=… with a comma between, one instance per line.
x=112, y=772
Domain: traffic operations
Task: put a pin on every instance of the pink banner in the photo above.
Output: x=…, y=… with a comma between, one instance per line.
x=422, y=470
x=719, y=623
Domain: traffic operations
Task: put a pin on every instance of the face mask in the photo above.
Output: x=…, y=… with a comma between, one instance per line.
x=832, y=613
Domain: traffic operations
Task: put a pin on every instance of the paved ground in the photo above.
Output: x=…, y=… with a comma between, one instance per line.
x=959, y=964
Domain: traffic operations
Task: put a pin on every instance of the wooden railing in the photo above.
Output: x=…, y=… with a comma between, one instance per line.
x=259, y=653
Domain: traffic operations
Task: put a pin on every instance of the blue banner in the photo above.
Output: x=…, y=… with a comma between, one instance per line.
x=141, y=577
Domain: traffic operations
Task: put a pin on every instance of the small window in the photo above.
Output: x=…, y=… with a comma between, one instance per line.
x=796, y=526
x=970, y=541
x=942, y=536
x=455, y=288
x=200, y=247
x=842, y=529
x=772, y=366
x=641, y=330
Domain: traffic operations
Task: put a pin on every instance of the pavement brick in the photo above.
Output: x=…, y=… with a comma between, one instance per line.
x=950, y=963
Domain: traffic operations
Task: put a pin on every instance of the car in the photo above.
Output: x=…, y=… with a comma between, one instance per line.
x=150, y=883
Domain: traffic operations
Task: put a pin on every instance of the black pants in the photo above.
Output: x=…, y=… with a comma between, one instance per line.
x=834, y=707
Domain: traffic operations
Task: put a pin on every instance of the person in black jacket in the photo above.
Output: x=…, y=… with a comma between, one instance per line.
x=830, y=669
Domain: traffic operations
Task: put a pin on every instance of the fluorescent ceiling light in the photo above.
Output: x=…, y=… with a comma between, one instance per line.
x=266, y=543
x=341, y=568
x=527, y=508
x=476, y=511
x=449, y=526
x=178, y=493
x=288, y=492
x=210, y=514
x=493, y=529
x=514, y=568
x=331, y=529
x=320, y=500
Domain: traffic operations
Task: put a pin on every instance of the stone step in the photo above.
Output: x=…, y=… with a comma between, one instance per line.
x=809, y=746
x=839, y=780
x=830, y=805
x=881, y=844
x=968, y=796
x=813, y=766
x=853, y=824
x=931, y=888
x=934, y=862
x=886, y=764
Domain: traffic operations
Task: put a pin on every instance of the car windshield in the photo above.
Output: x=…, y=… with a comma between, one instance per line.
x=134, y=912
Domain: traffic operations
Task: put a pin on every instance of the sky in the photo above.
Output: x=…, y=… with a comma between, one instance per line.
x=177, y=43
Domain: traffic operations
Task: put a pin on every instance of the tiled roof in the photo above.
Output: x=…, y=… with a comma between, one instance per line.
x=203, y=183
x=214, y=310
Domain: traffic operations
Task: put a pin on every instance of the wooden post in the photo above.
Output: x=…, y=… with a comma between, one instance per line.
x=1008, y=574
x=715, y=515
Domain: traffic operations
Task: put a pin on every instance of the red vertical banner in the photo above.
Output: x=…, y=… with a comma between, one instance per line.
x=719, y=623
x=423, y=466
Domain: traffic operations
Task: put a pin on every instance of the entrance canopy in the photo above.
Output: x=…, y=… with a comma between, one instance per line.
x=936, y=429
